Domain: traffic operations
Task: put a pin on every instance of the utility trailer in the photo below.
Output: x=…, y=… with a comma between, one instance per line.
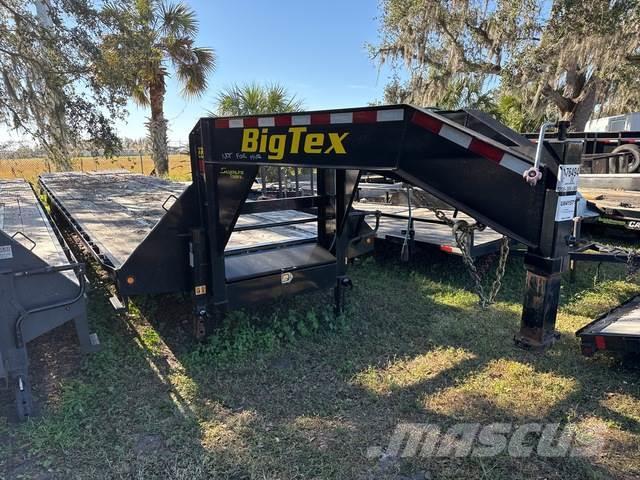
x=610, y=175
x=421, y=228
x=617, y=331
x=464, y=158
x=606, y=152
x=42, y=286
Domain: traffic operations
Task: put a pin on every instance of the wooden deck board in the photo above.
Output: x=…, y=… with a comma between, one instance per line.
x=609, y=198
x=437, y=234
x=118, y=210
x=20, y=211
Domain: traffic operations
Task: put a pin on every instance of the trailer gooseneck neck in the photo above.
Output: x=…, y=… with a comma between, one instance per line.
x=465, y=158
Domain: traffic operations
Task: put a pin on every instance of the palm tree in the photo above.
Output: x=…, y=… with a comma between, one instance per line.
x=254, y=99
x=165, y=34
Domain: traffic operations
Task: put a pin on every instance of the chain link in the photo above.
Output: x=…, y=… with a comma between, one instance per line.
x=462, y=232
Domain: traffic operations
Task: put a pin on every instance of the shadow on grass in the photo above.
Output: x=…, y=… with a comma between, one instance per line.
x=306, y=394
x=287, y=391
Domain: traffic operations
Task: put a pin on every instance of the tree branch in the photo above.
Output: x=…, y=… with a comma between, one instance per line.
x=564, y=104
x=475, y=67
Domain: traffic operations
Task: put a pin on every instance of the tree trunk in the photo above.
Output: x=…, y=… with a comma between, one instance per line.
x=157, y=126
x=576, y=110
x=263, y=180
x=583, y=109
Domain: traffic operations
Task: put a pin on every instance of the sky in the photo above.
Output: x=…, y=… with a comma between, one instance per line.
x=315, y=48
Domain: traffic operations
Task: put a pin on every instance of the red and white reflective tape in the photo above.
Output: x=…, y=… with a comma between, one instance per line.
x=621, y=141
x=470, y=143
x=425, y=121
x=363, y=116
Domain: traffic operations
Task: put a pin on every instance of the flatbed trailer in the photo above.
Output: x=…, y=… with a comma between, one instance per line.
x=42, y=286
x=617, y=331
x=621, y=207
x=600, y=149
x=464, y=158
x=426, y=230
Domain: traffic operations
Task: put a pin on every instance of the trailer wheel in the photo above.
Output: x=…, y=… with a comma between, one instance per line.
x=24, y=401
x=635, y=154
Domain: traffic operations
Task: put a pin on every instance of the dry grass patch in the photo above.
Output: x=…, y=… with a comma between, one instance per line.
x=504, y=388
x=623, y=404
x=405, y=373
x=30, y=168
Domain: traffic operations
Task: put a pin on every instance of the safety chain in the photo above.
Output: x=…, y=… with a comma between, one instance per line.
x=462, y=232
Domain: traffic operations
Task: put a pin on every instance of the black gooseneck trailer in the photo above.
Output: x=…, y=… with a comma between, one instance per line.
x=465, y=158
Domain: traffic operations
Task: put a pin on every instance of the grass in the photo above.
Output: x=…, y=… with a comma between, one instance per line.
x=288, y=391
x=30, y=168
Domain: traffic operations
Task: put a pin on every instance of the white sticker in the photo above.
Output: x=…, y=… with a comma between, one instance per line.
x=568, y=176
x=633, y=225
x=6, y=252
x=566, y=208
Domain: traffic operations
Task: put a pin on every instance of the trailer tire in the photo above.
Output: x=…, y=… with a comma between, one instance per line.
x=635, y=155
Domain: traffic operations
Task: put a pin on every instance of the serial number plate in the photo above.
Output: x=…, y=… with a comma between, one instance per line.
x=568, y=176
x=6, y=253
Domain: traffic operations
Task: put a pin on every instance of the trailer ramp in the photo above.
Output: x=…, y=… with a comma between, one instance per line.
x=41, y=286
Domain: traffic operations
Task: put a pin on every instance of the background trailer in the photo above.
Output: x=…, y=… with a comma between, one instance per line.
x=41, y=286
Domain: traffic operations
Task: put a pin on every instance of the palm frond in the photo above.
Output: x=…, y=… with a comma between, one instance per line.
x=177, y=20
x=254, y=98
x=140, y=95
x=193, y=70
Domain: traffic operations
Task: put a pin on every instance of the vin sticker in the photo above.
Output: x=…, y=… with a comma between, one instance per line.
x=565, y=208
x=568, y=176
x=6, y=253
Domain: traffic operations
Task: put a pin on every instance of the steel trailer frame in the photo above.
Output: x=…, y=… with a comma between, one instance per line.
x=475, y=248
x=36, y=296
x=616, y=331
x=465, y=158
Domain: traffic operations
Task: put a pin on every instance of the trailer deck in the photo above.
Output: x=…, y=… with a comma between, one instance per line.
x=617, y=331
x=22, y=218
x=41, y=286
x=616, y=205
x=117, y=210
x=429, y=231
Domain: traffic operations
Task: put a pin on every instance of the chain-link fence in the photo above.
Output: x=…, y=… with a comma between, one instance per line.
x=30, y=168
